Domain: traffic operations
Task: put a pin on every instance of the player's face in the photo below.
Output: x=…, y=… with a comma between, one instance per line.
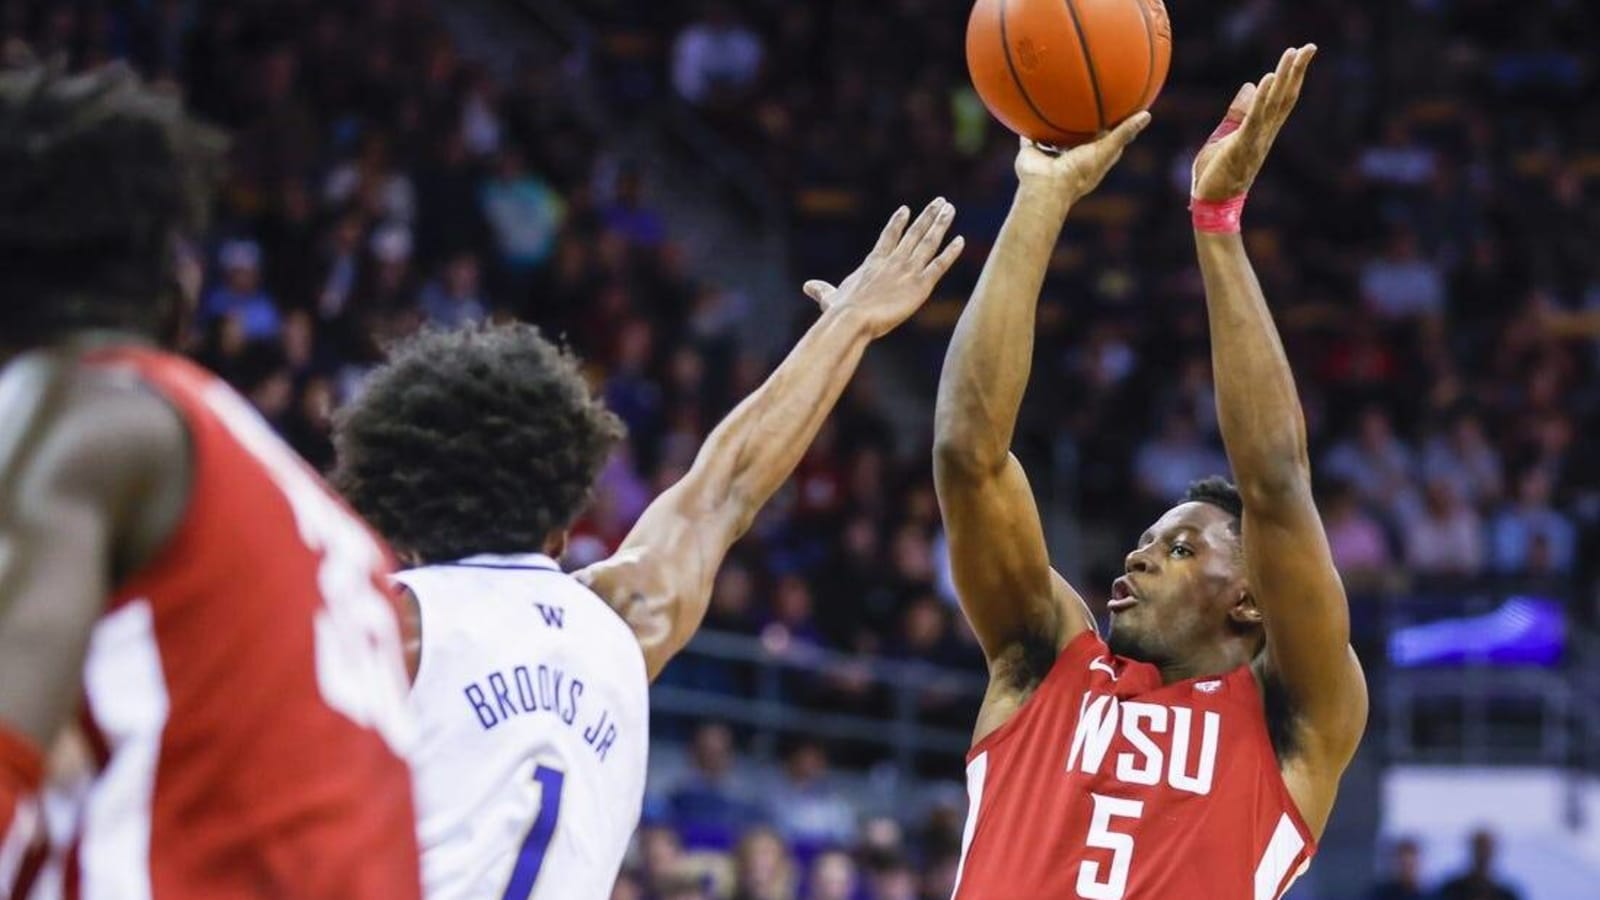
x=1181, y=583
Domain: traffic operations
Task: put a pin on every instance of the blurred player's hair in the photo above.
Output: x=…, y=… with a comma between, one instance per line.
x=481, y=440
x=100, y=178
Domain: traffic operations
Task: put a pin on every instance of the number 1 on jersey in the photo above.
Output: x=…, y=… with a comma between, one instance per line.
x=1090, y=887
x=530, y=859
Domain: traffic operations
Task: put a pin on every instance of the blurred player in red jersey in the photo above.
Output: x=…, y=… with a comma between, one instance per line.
x=172, y=578
x=1197, y=753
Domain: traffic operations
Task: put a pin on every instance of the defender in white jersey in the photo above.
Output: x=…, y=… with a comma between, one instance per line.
x=472, y=452
x=527, y=682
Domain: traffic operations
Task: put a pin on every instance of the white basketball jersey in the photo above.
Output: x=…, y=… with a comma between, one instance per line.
x=533, y=702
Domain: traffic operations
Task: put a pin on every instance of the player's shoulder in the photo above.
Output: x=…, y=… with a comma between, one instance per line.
x=66, y=418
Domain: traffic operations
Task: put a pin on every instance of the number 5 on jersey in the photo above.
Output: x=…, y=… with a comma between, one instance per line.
x=531, y=857
x=1090, y=885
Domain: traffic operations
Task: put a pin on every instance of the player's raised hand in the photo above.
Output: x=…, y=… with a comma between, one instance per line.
x=1073, y=174
x=1228, y=164
x=901, y=271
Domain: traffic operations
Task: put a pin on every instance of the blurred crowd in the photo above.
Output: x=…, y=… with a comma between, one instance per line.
x=1426, y=233
x=720, y=829
x=1479, y=881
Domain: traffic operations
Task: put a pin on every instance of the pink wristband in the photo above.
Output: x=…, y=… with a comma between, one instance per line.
x=1217, y=216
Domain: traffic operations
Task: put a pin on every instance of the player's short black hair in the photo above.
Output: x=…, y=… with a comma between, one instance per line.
x=480, y=440
x=1219, y=492
x=99, y=176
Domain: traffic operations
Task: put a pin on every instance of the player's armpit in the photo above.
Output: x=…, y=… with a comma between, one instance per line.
x=1307, y=621
x=1000, y=562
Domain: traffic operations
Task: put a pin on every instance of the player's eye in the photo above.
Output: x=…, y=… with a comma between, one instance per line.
x=1181, y=551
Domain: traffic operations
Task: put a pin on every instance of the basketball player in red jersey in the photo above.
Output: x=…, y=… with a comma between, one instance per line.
x=172, y=578
x=1197, y=753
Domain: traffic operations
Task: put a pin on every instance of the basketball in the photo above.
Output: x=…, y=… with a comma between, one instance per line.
x=1061, y=71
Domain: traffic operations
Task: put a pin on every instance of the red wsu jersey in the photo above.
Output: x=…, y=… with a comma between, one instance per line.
x=245, y=692
x=1108, y=785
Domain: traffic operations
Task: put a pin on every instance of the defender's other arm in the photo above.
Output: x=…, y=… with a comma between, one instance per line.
x=997, y=545
x=1290, y=567
x=660, y=579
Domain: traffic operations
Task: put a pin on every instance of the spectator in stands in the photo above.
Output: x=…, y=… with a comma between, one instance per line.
x=1479, y=882
x=893, y=878
x=1178, y=457
x=1465, y=458
x=1400, y=160
x=1405, y=877
x=373, y=183
x=1445, y=537
x=1531, y=536
x=241, y=297
x=833, y=877
x=1376, y=463
x=1402, y=284
x=716, y=60
x=711, y=805
x=524, y=213
x=807, y=807
x=630, y=217
x=1360, y=547
x=661, y=857
x=763, y=868
x=454, y=298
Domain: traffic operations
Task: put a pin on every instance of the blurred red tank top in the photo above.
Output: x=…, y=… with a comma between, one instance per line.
x=1109, y=785
x=245, y=693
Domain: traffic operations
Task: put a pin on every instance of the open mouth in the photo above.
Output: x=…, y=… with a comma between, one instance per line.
x=1122, y=595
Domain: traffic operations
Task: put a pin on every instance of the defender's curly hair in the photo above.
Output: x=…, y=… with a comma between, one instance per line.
x=480, y=440
x=1219, y=492
x=98, y=177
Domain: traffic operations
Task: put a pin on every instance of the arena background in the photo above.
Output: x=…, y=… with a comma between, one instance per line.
x=654, y=179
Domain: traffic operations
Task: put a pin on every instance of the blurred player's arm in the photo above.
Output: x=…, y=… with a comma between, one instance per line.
x=93, y=477
x=660, y=580
x=1291, y=571
x=997, y=544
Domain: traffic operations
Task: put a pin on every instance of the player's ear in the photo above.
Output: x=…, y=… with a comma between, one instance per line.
x=1244, y=609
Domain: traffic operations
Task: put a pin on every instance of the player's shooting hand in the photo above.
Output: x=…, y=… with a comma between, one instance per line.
x=1228, y=164
x=1071, y=174
x=900, y=272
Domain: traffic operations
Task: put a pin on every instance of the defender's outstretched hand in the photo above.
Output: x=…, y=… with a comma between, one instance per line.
x=1074, y=173
x=1230, y=161
x=901, y=271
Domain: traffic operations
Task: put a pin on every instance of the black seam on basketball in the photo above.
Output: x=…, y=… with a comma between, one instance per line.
x=1150, y=42
x=1088, y=63
x=1016, y=79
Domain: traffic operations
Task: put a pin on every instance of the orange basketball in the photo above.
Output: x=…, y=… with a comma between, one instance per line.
x=1061, y=71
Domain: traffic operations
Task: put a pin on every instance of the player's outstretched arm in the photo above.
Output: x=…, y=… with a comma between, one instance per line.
x=1290, y=569
x=997, y=546
x=660, y=579
x=79, y=468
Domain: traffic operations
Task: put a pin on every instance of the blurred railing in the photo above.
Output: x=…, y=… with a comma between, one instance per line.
x=1485, y=708
x=767, y=668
